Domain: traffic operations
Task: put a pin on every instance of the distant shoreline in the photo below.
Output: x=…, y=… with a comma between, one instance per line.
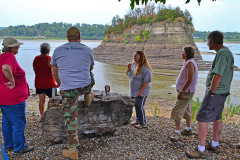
x=48, y=39
x=224, y=41
x=64, y=39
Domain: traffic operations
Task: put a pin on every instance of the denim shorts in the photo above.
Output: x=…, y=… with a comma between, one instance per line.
x=211, y=107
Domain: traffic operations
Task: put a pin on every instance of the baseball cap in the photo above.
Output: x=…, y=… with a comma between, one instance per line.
x=11, y=42
x=73, y=33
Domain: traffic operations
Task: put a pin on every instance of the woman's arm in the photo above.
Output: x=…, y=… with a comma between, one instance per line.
x=129, y=67
x=7, y=71
x=49, y=60
x=190, y=73
x=144, y=85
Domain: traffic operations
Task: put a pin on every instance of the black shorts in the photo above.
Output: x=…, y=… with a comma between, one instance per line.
x=50, y=92
x=211, y=108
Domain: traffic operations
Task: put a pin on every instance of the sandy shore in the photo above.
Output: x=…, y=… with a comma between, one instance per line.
x=208, y=53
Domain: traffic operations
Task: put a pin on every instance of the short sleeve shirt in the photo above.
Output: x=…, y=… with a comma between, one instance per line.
x=20, y=92
x=43, y=74
x=222, y=65
x=73, y=60
x=135, y=81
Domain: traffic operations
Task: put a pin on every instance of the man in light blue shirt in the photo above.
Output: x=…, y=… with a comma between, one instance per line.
x=71, y=66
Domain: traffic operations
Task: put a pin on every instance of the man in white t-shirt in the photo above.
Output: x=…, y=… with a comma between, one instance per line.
x=71, y=66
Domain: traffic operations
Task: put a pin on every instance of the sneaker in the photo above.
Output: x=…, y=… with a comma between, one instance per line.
x=8, y=149
x=25, y=150
x=71, y=153
x=213, y=149
x=140, y=126
x=88, y=98
x=174, y=137
x=134, y=123
x=186, y=132
x=196, y=154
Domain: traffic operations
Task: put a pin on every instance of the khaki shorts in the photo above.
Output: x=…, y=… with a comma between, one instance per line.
x=183, y=107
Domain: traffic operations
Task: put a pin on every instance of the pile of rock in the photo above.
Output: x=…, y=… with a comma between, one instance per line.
x=104, y=116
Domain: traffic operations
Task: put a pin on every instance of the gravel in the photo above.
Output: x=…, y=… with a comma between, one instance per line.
x=130, y=143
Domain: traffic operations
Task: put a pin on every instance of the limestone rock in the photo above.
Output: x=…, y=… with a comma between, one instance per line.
x=106, y=115
x=163, y=47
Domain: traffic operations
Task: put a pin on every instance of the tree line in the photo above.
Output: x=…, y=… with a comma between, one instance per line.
x=227, y=35
x=147, y=14
x=91, y=32
x=55, y=30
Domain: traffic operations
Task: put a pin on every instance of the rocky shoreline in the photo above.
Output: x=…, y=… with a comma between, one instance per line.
x=129, y=142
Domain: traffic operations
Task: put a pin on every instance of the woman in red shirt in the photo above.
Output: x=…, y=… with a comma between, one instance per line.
x=13, y=93
x=44, y=81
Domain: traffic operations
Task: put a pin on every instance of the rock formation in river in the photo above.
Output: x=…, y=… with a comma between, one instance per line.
x=163, y=47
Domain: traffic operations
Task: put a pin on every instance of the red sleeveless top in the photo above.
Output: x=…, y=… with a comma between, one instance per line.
x=43, y=74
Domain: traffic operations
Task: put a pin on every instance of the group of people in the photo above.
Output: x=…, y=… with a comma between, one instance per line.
x=217, y=89
x=70, y=69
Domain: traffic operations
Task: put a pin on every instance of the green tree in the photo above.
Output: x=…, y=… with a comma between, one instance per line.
x=137, y=2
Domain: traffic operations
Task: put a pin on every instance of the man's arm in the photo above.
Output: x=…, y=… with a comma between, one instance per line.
x=7, y=71
x=215, y=82
x=54, y=69
x=91, y=68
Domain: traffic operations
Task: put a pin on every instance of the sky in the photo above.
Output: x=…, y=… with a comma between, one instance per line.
x=219, y=15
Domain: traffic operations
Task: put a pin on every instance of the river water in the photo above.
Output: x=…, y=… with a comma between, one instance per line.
x=162, y=86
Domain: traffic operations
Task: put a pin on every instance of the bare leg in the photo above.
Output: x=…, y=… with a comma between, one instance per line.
x=177, y=123
x=42, y=103
x=217, y=128
x=202, y=132
x=188, y=122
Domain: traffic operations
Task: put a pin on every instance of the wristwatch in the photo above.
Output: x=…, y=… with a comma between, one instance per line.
x=211, y=93
x=181, y=91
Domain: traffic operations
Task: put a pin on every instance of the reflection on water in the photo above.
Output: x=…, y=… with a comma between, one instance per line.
x=115, y=76
x=162, y=86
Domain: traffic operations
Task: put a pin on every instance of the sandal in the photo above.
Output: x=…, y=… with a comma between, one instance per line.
x=134, y=123
x=140, y=126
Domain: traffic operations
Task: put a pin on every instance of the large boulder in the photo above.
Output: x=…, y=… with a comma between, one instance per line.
x=104, y=116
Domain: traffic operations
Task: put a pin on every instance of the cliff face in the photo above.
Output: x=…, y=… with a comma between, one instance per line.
x=163, y=47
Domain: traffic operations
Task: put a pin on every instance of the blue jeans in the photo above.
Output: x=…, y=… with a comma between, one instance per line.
x=139, y=108
x=13, y=125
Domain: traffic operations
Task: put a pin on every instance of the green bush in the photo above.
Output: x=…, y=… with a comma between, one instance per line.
x=126, y=42
x=146, y=35
x=106, y=40
x=186, y=28
x=141, y=34
x=229, y=110
x=195, y=107
x=137, y=39
x=155, y=108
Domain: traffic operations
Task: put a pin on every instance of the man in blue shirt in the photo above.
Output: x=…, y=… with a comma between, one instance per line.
x=71, y=66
